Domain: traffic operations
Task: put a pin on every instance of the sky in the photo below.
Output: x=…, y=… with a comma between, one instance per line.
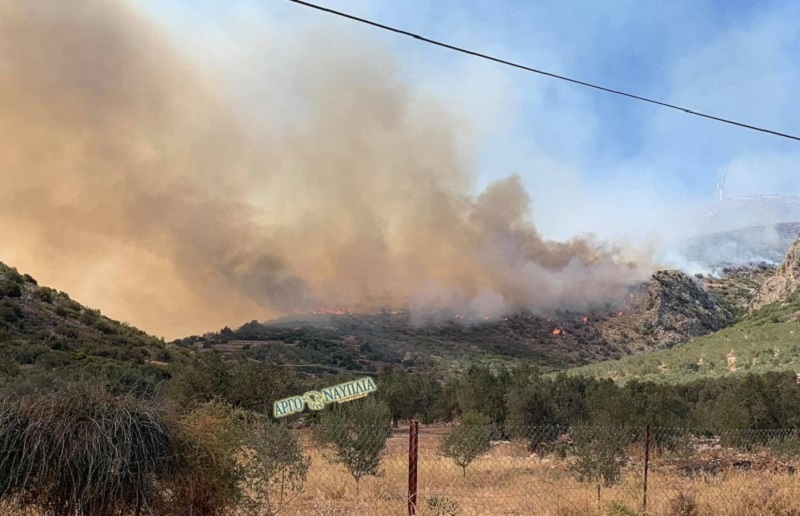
x=591, y=162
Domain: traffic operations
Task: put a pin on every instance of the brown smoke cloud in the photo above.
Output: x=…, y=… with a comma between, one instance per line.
x=127, y=180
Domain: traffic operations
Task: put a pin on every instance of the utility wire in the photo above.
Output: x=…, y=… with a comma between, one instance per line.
x=541, y=72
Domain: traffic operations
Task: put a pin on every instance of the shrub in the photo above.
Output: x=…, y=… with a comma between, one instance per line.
x=209, y=476
x=27, y=353
x=52, y=359
x=81, y=451
x=232, y=460
x=10, y=289
x=683, y=505
x=615, y=508
x=9, y=312
x=8, y=367
x=441, y=506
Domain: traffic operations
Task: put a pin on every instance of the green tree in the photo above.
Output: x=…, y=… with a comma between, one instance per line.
x=276, y=465
x=532, y=411
x=357, y=431
x=243, y=383
x=600, y=455
x=395, y=390
x=465, y=442
x=409, y=395
x=483, y=391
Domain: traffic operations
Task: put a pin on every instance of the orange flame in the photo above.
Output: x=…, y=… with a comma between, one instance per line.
x=585, y=319
x=558, y=331
x=328, y=311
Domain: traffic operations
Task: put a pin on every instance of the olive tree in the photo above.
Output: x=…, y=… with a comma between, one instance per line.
x=275, y=463
x=357, y=432
x=600, y=455
x=465, y=442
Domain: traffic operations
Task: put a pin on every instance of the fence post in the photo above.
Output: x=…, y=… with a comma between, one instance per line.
x=413, y=442
x=646, y=465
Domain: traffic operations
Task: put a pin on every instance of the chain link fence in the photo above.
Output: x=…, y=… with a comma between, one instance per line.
x=484, y=470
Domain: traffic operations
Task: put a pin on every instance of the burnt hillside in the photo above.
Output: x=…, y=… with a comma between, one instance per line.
x=669, y=309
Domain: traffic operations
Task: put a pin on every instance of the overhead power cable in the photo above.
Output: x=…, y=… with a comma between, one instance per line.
x=541, y=72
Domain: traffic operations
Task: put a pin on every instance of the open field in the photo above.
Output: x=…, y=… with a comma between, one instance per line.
x=509, y=480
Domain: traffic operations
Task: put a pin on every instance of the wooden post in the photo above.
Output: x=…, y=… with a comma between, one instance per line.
x=413, y=447
x=646, y=465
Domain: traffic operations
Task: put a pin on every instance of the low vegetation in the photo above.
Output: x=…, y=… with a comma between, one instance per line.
x=48, y=336
x=769, y=340
x=85, y=451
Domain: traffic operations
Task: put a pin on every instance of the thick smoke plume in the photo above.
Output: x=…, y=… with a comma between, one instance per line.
x=129, y=181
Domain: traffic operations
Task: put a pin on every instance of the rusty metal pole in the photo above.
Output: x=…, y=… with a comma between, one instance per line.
x=646, y=465
x=413, y=447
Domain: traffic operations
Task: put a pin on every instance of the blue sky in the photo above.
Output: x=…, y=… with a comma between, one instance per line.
x=590, y=161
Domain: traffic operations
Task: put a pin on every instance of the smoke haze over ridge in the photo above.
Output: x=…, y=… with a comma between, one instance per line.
x=128, y=179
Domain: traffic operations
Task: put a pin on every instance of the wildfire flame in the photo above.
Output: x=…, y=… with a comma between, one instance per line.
x=620, y=314
x=326, y=311
x=558, y=331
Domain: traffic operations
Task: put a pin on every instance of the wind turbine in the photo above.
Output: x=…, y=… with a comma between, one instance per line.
x=721, y=185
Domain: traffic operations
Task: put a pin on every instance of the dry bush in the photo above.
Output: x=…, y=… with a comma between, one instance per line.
x=83, y=451
x=232, y=459
x=207, y=481
x=684, y=505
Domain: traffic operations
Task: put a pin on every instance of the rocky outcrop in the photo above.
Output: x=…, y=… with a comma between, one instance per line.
x=784, y=284
x=671, y=308
x=735, y=287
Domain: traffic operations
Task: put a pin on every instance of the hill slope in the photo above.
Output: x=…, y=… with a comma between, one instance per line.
x=42, y=329
x=669, y=309
x=767, y=339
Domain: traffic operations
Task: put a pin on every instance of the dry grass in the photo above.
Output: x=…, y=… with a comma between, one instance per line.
x=508, y=481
